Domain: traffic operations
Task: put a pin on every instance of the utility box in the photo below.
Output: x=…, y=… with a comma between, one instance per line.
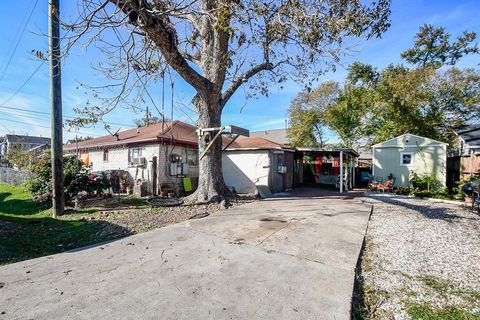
x=173, y=169
x=178, y=169
x=184, y=169
x=282, y=169
x=176, y=158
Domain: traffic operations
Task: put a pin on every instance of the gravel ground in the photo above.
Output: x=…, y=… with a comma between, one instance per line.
x=420, y=252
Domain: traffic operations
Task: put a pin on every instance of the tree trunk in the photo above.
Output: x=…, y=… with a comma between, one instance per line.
x=211, y=186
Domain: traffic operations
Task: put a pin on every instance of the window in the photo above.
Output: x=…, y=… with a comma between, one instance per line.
x=191, y=156
x=134, y=155
x=406, y=159
x=105, y=155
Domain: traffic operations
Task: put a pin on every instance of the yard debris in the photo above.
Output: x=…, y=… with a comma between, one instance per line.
x=125, y=222
x=200, y=215
x=164, y=202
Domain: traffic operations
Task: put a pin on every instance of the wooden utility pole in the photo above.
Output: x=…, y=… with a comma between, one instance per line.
x=56, y=111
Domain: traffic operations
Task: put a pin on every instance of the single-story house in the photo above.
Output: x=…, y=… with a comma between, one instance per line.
x=408, y=153
x=159, y=154
x=23, y=143
x=251, y=162
x=464, y=159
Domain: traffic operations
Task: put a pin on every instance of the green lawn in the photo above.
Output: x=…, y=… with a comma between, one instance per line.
x=27, y=229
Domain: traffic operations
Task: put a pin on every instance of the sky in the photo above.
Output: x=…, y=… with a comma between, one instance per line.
x=24, y=79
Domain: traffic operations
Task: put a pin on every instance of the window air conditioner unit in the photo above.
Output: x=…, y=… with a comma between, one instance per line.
x=139, y=161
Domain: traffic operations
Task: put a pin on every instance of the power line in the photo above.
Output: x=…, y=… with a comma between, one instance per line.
x=24, y=83
x=45, y=127
x=37, y=69
x=18, y=40
x=68, y=117
x=21, y=122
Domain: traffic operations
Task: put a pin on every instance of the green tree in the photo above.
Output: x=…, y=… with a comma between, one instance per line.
x=346, y=116
x=434, y=48
x=307, y=124
x=426, y=100
x=217, y=46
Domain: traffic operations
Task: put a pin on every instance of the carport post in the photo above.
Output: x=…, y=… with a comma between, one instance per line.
x=355, y=163
x=341, y=171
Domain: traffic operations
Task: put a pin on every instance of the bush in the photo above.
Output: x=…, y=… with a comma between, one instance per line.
x=428, y=183
x=76, y=179
x=459, y=194
x=426, y=186
x=404, y=191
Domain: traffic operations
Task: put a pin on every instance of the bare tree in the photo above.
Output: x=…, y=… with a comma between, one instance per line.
x=217, y=46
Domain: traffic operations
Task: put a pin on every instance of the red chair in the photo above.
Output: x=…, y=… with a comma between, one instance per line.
x=385, y=186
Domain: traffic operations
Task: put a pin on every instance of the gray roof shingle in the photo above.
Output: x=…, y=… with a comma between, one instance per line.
x=275, y=135
x=470, y=134
x=16, y=138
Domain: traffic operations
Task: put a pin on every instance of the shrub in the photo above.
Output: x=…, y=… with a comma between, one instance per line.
x=428, y=183
x=76, y=179
x=459, y=194
x=404, y=191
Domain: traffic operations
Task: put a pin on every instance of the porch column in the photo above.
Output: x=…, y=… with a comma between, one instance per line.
x=341, y=171
x=355, y=163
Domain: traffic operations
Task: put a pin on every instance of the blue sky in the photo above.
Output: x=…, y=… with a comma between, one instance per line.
x=254, y=114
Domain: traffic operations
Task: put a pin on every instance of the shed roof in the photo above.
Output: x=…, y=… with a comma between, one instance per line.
x=254, y=143
x=330, y=151
x=394, y=141
x=469, y=134
x=179, y=131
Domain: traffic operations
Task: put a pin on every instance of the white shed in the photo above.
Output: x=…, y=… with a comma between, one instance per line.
x=406, y=153
x=252, y=162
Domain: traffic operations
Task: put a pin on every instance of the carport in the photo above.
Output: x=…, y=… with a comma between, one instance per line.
x=325, y=167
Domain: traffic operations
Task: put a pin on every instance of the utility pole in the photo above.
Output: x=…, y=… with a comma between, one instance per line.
x=56, y=109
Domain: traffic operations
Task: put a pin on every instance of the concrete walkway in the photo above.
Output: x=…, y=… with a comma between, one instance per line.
x=290, y=258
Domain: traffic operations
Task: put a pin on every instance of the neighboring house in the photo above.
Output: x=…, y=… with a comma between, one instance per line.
x=160, y=154
x=22, y=143
x=464, y=160
x=406, y=153
x=279, y=136
x=254, y=161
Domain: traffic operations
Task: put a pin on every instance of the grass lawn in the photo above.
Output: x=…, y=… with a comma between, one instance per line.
x=27, y=229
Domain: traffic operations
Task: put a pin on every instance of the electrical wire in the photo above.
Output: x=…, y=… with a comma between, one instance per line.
x=18, y=41
x=24, y=83
x=68, y=117
x=46, y=127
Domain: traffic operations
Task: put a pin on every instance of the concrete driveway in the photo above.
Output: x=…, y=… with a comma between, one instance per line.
x=289, y=258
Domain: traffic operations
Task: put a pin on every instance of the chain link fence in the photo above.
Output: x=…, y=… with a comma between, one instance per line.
x=13, y=176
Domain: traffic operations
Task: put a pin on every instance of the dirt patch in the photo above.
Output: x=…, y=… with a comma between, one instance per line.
x=123, y=222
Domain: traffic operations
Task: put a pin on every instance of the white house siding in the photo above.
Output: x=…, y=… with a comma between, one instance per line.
x=245, y=169
x=429, y=157
x=118, y=160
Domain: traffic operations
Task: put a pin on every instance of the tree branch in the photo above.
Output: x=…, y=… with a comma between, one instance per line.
x=244, y=78
x=159, y=29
